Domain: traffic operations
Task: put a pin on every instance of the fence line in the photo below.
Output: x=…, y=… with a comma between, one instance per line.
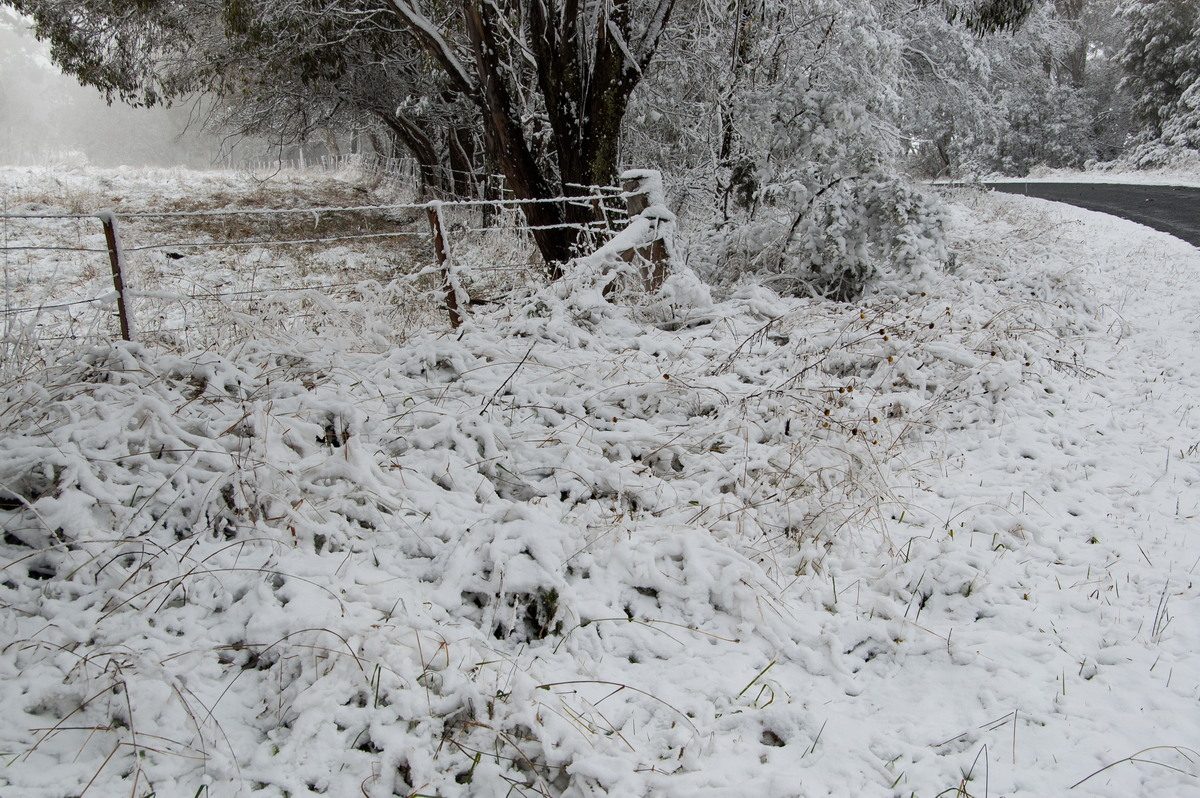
x=407, y=169
x=455, y=298
x=471, y=203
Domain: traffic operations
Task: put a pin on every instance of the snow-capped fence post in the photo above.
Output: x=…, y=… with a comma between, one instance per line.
x=449, y=278
x=116, y=258
x=644, y=199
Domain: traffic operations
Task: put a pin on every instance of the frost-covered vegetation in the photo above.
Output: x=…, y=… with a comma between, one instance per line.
x=882, y=492
x=673, y=545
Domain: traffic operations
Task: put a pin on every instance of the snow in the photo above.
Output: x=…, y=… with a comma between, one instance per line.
x=1184, y=174
x=937, y=540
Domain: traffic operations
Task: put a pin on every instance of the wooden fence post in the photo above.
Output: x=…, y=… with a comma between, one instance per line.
x=449, y=279
x=116, y=259
x=644, y=197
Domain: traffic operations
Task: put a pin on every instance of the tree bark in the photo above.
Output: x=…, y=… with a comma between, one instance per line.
x=419, y=144
x=585, y=77
x=505, y=139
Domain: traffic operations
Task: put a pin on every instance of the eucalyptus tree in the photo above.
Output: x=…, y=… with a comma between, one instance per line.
x=552, y=81
x=280, y=68
x=290, y=95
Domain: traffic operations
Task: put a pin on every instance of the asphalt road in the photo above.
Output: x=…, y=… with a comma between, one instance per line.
x=1172, y=209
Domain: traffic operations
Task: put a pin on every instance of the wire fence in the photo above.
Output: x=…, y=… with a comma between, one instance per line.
x=201, y=278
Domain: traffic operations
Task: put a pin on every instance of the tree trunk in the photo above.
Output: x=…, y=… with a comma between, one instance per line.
x=588, y=103
x=331, y=143
x=461, y=146
x=583, y=57
x=505, y=140
x=422, y=149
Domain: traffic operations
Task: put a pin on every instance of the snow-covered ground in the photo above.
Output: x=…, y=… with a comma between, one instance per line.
x=1183, y=173
x=940, y=542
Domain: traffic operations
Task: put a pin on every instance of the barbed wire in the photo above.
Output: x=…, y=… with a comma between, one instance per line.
x=430, y=205
x=57, y=305
x=597, y=227
x=10, y=215
x=246, y=294
x=198, y=296
x=583, y=228
x=278, y=242
x=34, y=248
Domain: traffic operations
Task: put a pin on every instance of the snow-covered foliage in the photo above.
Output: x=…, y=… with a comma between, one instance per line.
x=1040, y=95
x=1161, y=58
x=779, y=128
x=831, y=218
x=675, y=547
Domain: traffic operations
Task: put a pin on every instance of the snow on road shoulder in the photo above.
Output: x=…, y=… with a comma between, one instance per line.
x=758, y=546
x=1184, y=171
x=1068, y=524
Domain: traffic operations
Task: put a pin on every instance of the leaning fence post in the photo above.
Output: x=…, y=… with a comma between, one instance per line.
x=449, y=279
x=116, y=257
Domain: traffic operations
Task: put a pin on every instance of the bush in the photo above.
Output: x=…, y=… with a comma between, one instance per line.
x=820, y=214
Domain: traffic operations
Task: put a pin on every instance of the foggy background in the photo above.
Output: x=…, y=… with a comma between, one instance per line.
x=47, y=118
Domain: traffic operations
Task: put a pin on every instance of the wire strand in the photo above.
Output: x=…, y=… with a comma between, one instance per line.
x=57, y=306
x=52, y=249
x=282, y=242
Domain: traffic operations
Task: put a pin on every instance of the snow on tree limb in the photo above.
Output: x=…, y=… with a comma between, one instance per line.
x=433, y=41
x=623, y=46
x=655, y=24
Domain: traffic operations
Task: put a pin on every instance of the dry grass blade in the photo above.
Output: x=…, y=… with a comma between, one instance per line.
x=1187, y=753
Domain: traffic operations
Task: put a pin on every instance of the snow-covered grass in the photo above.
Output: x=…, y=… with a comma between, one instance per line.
x=939, y=542
x=208, y=268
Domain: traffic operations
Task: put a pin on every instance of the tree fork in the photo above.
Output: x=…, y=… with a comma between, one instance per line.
x=506, y=140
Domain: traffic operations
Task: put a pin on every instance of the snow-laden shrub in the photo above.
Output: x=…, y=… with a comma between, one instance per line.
x=781, y=156
x=820, y=212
